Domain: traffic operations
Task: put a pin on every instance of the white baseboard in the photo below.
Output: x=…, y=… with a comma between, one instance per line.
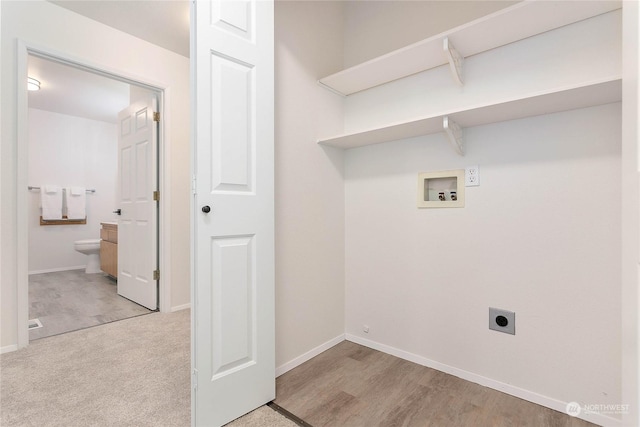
x=8, y=348
x=181, y=307
x=530, y=396
x=309, y=355
x=55, y=270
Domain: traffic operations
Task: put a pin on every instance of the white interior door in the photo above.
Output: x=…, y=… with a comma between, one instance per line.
x=233, y=300
x=137, y=224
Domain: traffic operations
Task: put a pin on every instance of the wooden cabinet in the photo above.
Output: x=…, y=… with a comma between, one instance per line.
x=109, y=249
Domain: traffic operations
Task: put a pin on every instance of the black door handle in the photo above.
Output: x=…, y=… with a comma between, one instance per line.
x=118, y=211
x=206, y=209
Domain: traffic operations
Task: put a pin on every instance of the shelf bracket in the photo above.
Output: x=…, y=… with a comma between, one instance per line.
x=455, y=60
x=454, y=133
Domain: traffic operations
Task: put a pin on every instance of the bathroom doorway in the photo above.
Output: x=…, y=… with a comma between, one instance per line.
x=73, y=148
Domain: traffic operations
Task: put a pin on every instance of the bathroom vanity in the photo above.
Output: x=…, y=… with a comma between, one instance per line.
x=109, y=248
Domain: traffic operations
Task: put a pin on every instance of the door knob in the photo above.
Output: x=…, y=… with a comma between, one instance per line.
x=206, y=209
x=118, y=211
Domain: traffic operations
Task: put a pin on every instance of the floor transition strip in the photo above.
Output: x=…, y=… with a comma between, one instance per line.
x=279, y=409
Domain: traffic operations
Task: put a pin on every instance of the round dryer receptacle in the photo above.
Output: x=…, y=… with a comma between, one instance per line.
x=502, y=321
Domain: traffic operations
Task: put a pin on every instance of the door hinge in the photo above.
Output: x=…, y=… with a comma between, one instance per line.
x=156, y=116
x=156, y=196
x=194, y=379
x=156, y=274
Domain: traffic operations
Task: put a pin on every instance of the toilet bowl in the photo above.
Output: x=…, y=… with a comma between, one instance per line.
x=91, y=248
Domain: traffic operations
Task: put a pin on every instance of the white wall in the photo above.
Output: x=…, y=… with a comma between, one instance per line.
x=540, y=236
x=630, y=212
x=309, y=182
x=46, y=25
x=69, y=151
x=373, y=28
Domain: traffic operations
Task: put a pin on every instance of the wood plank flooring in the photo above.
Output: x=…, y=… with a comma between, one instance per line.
x=352, y=386
x=66, y=301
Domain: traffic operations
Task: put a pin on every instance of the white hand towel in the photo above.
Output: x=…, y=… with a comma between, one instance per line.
x=76, y=203
x=51, y=189
x=77, y=191
x=51, y=200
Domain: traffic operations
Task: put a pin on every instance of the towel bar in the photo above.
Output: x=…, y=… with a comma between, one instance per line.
x=64, y=189
x=63, y=221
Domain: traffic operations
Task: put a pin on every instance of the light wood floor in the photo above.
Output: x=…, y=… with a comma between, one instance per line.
x=66, y=301
x=351, y=386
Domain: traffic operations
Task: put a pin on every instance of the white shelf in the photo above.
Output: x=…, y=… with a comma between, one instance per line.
x=525, y=19
x=559, y=99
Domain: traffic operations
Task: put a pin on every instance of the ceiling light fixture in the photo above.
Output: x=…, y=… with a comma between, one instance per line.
x=32, y=84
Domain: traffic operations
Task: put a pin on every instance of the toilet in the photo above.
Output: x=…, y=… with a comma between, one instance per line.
x=91, y=248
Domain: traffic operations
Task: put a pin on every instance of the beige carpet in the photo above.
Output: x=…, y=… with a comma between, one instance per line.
x=129, y=373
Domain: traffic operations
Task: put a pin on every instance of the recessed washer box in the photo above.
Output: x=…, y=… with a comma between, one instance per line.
x=443, y=189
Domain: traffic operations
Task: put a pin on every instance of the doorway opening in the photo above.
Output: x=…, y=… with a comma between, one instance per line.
x=70, y=142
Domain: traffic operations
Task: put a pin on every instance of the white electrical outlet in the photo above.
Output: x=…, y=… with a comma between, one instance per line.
x=365, y=329
x=471, y=176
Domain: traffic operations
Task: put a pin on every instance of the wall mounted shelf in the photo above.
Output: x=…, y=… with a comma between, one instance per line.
x=553, y=101
x=522, y=20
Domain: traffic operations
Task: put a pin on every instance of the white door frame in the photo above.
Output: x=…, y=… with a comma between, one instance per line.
x=25, y=49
